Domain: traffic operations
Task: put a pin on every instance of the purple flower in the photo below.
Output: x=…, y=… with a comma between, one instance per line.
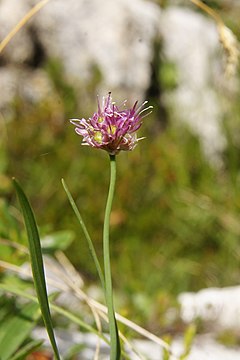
x=111, y=128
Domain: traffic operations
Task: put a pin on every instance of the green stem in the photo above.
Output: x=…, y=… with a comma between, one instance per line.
x=115, y=350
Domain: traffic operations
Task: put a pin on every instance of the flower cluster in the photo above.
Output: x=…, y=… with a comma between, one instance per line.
x=111, y=128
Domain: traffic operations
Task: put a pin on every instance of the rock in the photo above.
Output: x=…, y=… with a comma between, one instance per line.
x=9, y=82
x=21, y=47
x=117, y=38
x=114, y=37
x=219, y=308
x=203, y=348
x=191, y=43
x=33, y=86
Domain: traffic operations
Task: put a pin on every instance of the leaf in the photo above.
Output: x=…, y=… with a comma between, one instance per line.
x=57, y=241
x=6, y=306
x=27, y=349
x=16, y=328
x=86, y=234
x=37, y=264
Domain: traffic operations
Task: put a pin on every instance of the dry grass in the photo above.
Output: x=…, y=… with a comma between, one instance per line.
x=227, y=38
x=33, y=11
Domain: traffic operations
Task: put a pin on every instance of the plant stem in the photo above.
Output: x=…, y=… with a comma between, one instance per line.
x=115, y=350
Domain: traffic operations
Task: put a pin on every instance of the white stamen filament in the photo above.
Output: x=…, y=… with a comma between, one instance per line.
x=141, y=106
x=147, y=108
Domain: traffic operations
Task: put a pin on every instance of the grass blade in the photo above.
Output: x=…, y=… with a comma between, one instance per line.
x=16, y=328
x=86, y=233
x=37, y=264
x=27, y=349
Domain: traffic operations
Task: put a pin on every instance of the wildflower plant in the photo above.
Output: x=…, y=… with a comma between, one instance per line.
x=112, y=129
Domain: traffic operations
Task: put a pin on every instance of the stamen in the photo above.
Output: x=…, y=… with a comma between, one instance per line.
x=75, y=120
x=142, y=117
x=141, y=106
x=141, y=138
x=99, y=107
x=147, y=108
x=123, y=104
x=108, y=99
x=134, y=106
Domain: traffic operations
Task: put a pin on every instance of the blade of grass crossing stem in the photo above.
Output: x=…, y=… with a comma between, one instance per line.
x=37, y=264
x=66, y=313
x=86, y=233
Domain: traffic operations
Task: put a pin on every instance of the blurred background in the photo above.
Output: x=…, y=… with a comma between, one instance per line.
x=175, y=222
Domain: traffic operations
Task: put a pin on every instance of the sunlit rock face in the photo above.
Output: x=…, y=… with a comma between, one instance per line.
x=114, y=37
x=117, y=38
x=191, y=43
x=217, y=307
x=20, y=49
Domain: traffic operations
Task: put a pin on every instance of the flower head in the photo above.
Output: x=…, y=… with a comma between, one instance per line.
x=111, y=128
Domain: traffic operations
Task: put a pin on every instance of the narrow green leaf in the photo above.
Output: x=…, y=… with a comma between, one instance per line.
x=16, y=328
x=27, y=349
x=37, y=264
x=86, y=233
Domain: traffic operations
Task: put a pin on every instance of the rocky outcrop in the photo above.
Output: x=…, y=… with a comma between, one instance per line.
x=191, y=43
x=117, y=37
x=217, y=307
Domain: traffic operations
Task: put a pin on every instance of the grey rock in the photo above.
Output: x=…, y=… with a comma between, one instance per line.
x=33, y=86
x=117, y=37
x=218, y=308
x=9, y=82
x=21, y=47
x=191, y=43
